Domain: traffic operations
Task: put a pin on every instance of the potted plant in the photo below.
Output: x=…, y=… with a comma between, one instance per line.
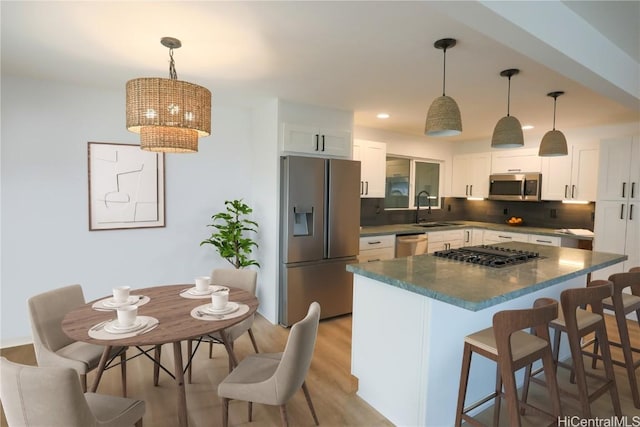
x=230, y=238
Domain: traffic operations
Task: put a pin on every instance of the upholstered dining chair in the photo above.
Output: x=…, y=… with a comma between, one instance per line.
x=273, y=378
x=53, y=347
x=52, y=397
x=238, y=278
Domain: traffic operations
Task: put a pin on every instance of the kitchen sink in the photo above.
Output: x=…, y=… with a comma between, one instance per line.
x=435, y=224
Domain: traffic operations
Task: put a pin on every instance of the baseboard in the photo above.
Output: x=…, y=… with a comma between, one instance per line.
x=15, y=342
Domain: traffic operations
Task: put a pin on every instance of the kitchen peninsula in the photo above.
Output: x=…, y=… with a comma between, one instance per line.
x=410, y=317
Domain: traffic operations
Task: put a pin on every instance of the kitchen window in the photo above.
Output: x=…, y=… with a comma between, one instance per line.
x=406, y=178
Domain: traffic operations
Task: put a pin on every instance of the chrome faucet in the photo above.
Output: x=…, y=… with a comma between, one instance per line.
x=418, y=205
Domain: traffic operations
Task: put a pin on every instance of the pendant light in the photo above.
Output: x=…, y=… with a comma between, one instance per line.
x=443, y=118
x=508, y=130
x=553, y=143
x=169, y=114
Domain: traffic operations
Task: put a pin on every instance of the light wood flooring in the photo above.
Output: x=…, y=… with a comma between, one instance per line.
x=329, y=380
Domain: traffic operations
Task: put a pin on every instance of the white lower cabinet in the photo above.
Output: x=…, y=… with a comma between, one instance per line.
x=377, y=248
x=443, y=240
x=472, y=236
x=491, y=237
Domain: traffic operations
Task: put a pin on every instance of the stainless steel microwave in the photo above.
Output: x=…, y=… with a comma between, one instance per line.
x=515, y=186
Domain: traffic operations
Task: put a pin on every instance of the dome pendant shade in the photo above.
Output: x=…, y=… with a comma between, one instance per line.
x=443, y=118
x=507, y=133
x=508, y=130
x=553, y=144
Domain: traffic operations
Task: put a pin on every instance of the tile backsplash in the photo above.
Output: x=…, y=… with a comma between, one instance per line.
x=535, y=214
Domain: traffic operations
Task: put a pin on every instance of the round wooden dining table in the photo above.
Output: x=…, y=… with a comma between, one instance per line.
x=175, y=325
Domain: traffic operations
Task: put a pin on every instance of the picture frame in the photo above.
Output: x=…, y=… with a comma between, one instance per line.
x=126, y=187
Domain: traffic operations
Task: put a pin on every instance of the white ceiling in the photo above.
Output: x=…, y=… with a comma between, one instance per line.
x=363, y=56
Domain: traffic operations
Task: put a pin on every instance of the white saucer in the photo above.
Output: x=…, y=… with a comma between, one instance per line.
x=194, y=291
x=230, y=308
x=113, y=327
x=131, y=300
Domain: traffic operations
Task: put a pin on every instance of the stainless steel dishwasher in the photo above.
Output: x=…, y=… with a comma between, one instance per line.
x=411, y=244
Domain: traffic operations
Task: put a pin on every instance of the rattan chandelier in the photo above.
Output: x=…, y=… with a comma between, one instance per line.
x=169, y=114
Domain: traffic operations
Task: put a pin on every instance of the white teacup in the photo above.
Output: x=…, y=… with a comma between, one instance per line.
x=127, y=315
x=220, y=298
x=121, y=293
x=202, y=283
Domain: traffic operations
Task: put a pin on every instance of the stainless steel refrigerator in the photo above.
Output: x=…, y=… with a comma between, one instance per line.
x=320, y=231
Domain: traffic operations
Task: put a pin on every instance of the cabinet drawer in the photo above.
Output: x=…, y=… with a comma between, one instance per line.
x=503, y=236
x=446, y=236
x=545, y=240
x=379, y=254
x=375, y=242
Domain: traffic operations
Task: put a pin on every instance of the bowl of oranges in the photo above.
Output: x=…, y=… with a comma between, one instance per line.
x=514, y=220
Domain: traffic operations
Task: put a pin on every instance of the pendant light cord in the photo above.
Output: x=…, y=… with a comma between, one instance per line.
x=555, y=98
x=172, y=66
x=444, y=70
x=509, y=96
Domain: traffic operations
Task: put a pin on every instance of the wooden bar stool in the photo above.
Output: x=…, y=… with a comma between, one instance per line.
x=512, y=349
x=577, y=322
x=622, y=303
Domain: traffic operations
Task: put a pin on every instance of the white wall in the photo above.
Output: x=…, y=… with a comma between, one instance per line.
x=45, y=242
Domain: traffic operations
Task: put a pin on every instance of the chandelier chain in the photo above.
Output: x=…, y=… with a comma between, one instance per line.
x=172, y=66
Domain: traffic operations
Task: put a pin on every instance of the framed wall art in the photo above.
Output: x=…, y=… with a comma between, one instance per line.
x=126, y=187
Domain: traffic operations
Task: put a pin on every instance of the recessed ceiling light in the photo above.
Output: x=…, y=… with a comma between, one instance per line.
x=383, y=115
x=527, y=127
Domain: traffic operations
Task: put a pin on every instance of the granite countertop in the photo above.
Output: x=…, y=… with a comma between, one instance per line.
x=475, y=287
x=403, y=229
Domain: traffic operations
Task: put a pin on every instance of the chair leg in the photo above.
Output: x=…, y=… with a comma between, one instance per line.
x=578, y=369
x=552, y=383
x=309, y=402
x=210, y=350
x=525, y=386
x=253, y=340
x=464, y=378
x=190, y=360
x=498, y=400
x=123, y=371
x=250, y=411
x=283, y=416
x=601, y=334
x=225, y=412
x=627, y=353
x=511, y=392
x=156, y=366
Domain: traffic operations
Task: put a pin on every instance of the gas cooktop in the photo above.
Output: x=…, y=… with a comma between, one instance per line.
x=491, y=256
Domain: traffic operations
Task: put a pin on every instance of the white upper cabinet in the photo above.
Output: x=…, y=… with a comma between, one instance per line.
x=516, y=161
x=619, y=169
x=617, y=221
x=316, y=141
x=572, y=177
x=373, y=160
x=471, y=175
